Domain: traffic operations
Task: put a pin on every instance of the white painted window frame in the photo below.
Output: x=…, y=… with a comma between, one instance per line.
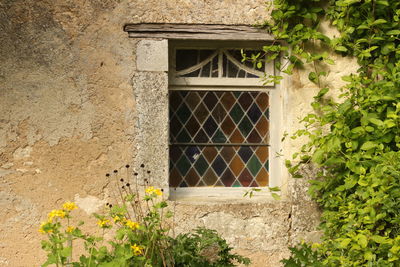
x=277, y=175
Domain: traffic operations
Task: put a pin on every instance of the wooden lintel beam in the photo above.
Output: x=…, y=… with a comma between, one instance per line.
x=197, y=31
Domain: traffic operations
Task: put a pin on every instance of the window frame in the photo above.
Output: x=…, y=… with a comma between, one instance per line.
x=275, y=130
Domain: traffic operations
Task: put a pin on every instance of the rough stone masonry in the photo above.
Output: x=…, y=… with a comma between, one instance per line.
x=69, y=90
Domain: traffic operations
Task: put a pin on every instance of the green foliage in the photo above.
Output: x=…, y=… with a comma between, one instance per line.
x=204, y=248
x=303, y=255
x=139, y=222
x=355, y=141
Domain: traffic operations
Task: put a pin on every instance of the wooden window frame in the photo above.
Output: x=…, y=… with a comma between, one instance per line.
x=198, y=82
x=214, y=84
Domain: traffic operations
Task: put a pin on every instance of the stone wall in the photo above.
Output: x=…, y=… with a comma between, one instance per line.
x=69, y=95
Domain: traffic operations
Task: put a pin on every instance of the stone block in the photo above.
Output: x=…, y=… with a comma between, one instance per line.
x=151, y=140
x=152, y=55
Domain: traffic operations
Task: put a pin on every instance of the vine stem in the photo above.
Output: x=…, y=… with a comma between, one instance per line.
x=316, y=73
x=69, y=245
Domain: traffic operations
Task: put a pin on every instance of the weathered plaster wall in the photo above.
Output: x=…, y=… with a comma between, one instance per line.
x=66, y=113
x=69, y=95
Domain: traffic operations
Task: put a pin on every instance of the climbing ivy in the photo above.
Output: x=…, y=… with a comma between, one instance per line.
x=354, y=141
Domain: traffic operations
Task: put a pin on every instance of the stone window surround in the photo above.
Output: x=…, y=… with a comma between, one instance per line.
x=150, y=84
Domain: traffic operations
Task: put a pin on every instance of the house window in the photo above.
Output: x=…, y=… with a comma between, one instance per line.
x=219, y=117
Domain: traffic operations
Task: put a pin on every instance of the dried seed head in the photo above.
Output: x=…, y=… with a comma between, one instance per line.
x=136, y=174
x=121, y=180
x=107, y=174
x=115, y=171
x=123, y=187
x=128, y=184
x=148, y=171
x=127, y=166
x=142, y=165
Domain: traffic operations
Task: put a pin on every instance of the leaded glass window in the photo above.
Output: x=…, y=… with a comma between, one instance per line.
x=219, y=136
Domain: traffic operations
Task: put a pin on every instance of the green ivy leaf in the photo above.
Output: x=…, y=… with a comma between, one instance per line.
x=378, y=21
x=341, y=48
x=382, y=2
x=322, y=92
x=362, y=240
x=318, y=156
x=368, y=145
x=344, y=243
x=66, y=252
x=379, y=239
x=276, y=196
x=393, y=32
x=376, y=121
x=274, y=189
x=312, y=76
x=363, y=182
x=369, y=256
x=363, y=27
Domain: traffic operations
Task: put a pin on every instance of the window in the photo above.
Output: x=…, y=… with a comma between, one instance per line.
x=219, y=117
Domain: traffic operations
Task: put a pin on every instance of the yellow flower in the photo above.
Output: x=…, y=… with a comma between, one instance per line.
x=69, y=206
x=119, y=218
x=103, y=223
x=42, y=228
x=132, y=225
x=151, y=190
x=137, y=250
x=158, y=192
x=70, y=229
x=56, y=213
x=315, y=245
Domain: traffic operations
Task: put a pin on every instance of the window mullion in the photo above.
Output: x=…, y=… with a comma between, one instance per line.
x=220, y=63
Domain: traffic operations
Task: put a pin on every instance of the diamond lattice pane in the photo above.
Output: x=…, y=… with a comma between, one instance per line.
x=227, y=166
x=219, y=138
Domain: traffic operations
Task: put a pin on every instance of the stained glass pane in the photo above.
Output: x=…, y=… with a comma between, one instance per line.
x=254, y=137
x=227, y=164
x=193, y=126
x=245, y=100
x=228, y=178
x=236, y=165
x=228, y=126
x=236, y=137
x=245, y=178
x=201, y=137
x=201, y=113
x=201, y=165
x=192, y=100
x=192, y=178
x=210, y=100
x=219, y=139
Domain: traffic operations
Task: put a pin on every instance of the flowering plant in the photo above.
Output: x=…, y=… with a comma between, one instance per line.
x=139, y=221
